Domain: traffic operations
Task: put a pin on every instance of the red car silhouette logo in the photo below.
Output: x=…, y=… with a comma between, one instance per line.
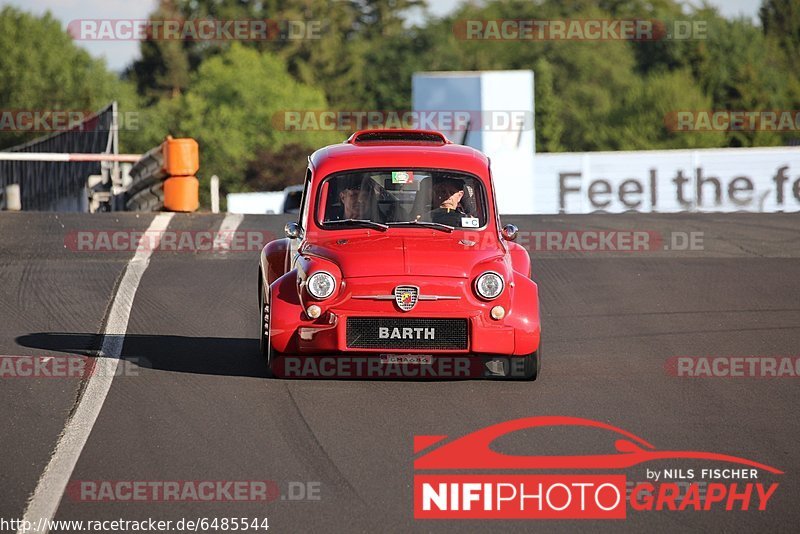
x=473, y=452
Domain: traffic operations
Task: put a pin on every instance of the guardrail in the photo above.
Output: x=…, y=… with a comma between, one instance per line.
x=164, y=178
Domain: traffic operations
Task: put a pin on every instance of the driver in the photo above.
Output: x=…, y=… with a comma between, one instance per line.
x=447, y=195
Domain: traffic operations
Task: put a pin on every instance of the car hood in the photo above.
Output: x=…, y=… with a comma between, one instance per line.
x=386, y=255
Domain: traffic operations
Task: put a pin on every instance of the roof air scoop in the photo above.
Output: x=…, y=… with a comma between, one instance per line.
x=397, y=136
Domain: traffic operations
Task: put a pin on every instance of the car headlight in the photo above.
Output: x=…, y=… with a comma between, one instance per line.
x=489, y=285
x=320, y=285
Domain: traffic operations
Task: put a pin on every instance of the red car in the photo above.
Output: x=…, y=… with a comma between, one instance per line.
x=398, y=254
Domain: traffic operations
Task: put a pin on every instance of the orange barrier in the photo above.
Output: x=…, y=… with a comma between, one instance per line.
x=181, y=162
x=181, y=156
x=164, y=178
x=181, y=193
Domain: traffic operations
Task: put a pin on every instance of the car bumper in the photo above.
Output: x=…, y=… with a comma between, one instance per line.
x=293, y=331
x=330, y=335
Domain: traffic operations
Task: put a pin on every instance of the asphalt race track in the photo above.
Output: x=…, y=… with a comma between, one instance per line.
x=195, y=403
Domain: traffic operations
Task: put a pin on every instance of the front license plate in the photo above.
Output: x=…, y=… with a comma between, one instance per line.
x=407, y=359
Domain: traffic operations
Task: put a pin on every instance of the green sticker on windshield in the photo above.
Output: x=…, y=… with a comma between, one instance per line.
x=402, y=177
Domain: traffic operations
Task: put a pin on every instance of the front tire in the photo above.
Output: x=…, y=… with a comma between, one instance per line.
x=531, y=366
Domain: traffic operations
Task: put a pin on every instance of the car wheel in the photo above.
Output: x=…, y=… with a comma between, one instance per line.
x=532, y=365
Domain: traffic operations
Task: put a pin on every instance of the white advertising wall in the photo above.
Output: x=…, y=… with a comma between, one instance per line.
x=713, y=180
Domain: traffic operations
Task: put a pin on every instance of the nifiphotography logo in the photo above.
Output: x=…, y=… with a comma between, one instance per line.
x=467, y=478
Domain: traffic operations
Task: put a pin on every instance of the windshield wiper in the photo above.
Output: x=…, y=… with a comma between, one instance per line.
x=360, y=222
x=425, y=224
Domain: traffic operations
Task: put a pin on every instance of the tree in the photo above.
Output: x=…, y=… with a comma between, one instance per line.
x=781, y=20
x=274, y=170
x=163, y=69
x=379, y=19
x=549, y=128
x=343, y=57
x=234, y=107
x=739, y=70
x=44, y=70
x=645, y=113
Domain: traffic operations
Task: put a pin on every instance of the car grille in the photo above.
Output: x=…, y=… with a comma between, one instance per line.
x=434, y=334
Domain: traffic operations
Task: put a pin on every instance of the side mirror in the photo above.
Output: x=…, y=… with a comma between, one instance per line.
x=510, y=232
x=293, y=230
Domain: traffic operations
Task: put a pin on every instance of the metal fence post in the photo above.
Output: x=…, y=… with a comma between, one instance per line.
x=215, y=194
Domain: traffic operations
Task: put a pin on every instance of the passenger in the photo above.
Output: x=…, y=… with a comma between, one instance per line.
x=355, y=202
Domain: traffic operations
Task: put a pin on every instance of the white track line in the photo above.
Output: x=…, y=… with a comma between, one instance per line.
x=225, y=234
x=44, y=502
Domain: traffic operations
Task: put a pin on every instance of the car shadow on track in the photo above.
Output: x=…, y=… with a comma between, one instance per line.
x=233, y=357
x=198, y=355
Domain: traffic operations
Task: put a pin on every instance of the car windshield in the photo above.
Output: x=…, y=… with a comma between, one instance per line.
x=408, y=198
